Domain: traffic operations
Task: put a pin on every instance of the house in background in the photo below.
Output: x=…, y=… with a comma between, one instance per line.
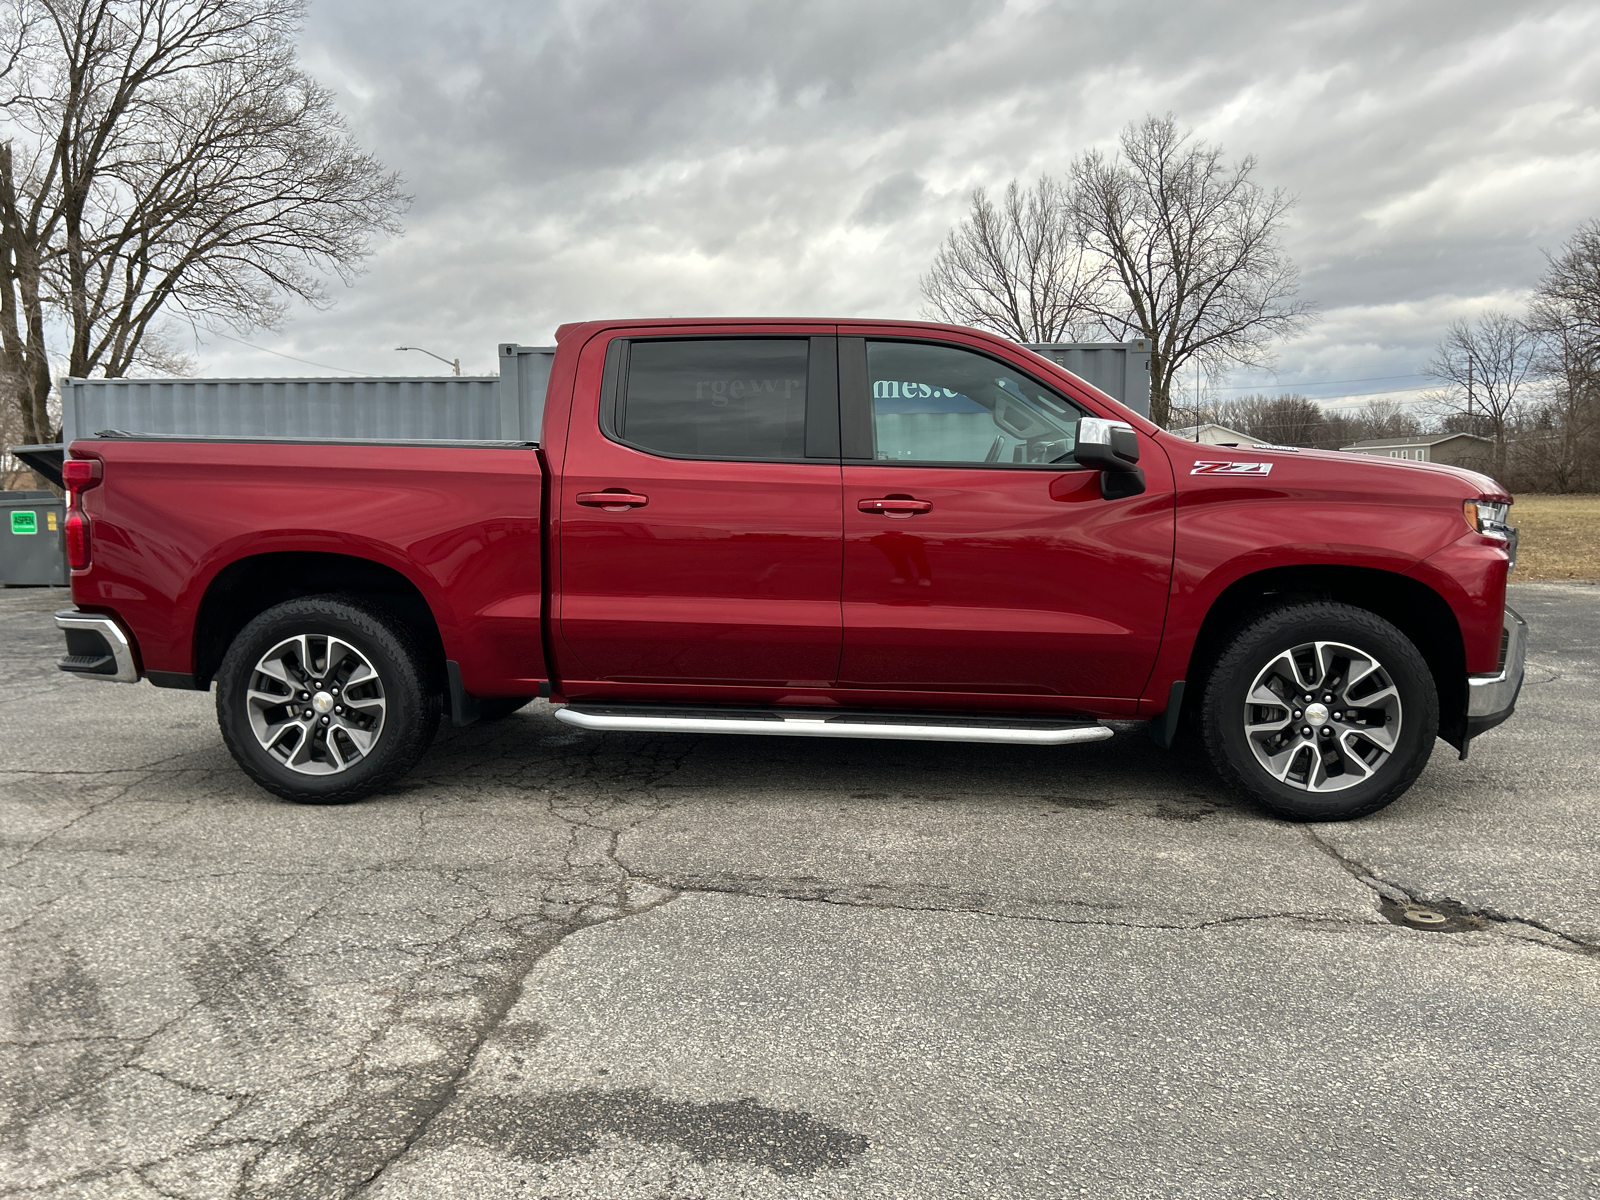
x=1454, y=449
x=1214, y=435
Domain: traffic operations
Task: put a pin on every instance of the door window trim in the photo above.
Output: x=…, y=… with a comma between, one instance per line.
x=855, y=409
x=822, y=431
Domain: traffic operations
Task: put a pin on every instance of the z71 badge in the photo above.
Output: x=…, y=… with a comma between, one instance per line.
x=1232, y=468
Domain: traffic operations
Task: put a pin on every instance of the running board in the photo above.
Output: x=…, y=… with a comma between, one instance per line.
x=905, y=727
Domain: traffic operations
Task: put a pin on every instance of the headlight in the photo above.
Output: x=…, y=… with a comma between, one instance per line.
x=1487, y=517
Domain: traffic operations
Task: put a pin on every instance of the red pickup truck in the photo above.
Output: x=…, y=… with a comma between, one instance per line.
x=805, y=529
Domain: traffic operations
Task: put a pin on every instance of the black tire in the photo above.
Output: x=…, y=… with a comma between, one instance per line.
x=409, y=714
x=495, y=707
x=1273, y=638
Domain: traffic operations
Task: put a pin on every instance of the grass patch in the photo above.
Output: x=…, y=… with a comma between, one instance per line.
x=1559, y=539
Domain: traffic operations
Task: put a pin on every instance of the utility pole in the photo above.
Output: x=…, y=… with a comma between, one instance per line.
x=453, y=363
x=1471, y=426
x=1197, y=396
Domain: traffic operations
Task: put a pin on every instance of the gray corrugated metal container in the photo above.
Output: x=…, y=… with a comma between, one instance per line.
x=524, y=378
x=507, y=407
x=1119, y=369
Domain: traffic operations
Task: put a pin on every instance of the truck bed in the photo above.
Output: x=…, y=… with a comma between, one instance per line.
x=455, y=525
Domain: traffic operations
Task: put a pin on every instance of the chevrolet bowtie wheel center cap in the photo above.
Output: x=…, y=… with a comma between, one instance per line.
x=1316, y=714
x=323, y=703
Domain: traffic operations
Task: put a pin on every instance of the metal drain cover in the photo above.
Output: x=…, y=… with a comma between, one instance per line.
x=1425, y=916
x=1438, y=916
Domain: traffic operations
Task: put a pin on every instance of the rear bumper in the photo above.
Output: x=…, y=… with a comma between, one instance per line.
x=1492, y=697
x=96, y=646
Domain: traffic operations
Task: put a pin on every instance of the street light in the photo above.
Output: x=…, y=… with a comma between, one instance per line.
x=454, y=363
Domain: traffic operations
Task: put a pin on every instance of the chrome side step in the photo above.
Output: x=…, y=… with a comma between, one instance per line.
x=905, y=727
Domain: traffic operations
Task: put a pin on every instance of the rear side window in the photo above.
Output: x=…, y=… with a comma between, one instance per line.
x=715, y=398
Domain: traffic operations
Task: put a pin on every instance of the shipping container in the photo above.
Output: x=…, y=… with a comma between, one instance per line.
x=1119, y=369
x=431, y=408
x=504, y=407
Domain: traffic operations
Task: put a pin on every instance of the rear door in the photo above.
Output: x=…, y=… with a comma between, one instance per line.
x=700, y=518
x=977, y=556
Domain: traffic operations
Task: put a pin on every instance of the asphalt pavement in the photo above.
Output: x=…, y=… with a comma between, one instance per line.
x=563, y=964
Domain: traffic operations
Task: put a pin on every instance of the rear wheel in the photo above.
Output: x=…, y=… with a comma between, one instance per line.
x=1321, y=711
x=322, y=700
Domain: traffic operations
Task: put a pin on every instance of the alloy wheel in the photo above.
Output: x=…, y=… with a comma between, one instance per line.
x=316, y=704
x=1322, y=716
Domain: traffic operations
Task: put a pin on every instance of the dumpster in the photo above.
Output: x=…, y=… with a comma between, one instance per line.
x=33, y=549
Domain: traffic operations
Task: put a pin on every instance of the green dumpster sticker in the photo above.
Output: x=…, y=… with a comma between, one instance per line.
x=24, y=522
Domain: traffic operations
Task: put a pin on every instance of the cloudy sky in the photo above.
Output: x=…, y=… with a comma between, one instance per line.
x=608, y=158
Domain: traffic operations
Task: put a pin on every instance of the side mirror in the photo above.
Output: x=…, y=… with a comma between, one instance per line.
x=1112, y=448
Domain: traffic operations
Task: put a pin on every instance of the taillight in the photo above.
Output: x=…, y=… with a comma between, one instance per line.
x=79, y=475
x=77, y=533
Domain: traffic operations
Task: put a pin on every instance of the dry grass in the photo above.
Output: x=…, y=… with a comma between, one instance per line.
x=1560, y=537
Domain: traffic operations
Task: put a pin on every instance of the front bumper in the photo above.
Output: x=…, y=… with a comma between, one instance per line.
x=1492, y=698
x=96, y=646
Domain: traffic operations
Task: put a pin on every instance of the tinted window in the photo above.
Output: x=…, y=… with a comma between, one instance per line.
x=940, y=404
x=721, y=398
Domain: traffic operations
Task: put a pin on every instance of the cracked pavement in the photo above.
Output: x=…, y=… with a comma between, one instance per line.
x=560, y=964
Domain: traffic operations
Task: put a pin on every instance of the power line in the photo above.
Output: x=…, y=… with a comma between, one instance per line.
x=1320, y=400
x=290, y=357
x=1244, y=387
x=1426, y=387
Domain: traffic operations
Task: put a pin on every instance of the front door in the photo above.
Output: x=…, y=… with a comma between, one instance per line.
x=978, y=557
x=700, y=514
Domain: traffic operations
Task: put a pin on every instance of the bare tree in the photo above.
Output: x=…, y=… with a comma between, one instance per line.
x=1374, y=419
x=1565, y=316
x=1016, y=269
x=1283, y=420
x=1193, y=244
x=24, y=362
x=1487, y=365
x=1568, y=296
x=12, y=472
x=167, y=159
x=1385, y=419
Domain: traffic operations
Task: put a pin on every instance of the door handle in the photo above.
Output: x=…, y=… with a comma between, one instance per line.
x=895, y=506
x=618, y=501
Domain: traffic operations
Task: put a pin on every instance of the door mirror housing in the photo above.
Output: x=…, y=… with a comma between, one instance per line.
x=1106, y=445
x=1112, y=448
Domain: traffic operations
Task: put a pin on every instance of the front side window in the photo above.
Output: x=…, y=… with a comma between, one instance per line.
x=938, y=404
x=715, y=398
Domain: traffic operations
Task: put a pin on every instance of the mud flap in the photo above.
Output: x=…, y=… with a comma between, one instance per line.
x=1164, y=728
x=464, y=709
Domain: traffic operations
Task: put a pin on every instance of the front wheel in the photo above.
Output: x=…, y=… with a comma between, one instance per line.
x=322, y=700
x=1321, y=711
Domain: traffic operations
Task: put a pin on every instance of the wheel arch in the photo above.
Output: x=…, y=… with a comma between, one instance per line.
x=1415, y=609
x=247, y=587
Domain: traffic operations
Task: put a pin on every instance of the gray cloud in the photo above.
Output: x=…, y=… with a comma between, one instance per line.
x=890, y=199
x=575, y=160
